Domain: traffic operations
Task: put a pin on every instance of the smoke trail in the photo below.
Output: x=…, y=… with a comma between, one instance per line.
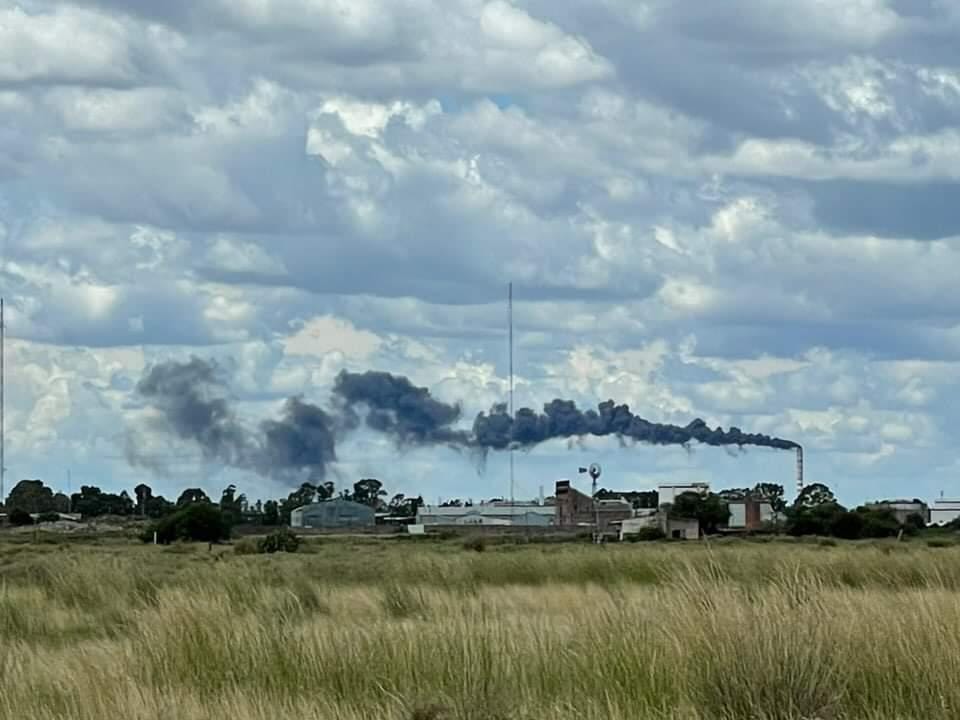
x=192, y=404
x=398, y=408
x=191, y=400
x=563, y=419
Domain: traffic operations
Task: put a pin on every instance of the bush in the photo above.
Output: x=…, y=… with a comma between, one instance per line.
x=847, y=525
x=199, y=522
x=20, y=518
x=940, y=543
x=48, y=517
x=283, y=540
x=647, y=534
x=477, y=544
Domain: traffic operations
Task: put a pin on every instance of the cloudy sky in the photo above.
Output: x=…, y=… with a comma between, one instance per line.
x=744, y=211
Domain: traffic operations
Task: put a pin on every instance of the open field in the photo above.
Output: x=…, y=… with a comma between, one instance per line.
x=414, y=630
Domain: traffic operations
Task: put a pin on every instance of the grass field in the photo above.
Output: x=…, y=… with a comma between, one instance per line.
x=420, y=630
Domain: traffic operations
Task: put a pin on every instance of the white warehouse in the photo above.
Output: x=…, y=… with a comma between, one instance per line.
x=505, y=514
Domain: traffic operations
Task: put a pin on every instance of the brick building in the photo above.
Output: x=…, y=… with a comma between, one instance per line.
x=576, y=509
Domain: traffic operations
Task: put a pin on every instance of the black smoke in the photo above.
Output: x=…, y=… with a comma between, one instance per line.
x=193, y=405
x=563, y=419
x=191, y=398
x=398, y=408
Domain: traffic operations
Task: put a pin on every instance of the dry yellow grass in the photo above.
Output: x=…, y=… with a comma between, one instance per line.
x=413, y=631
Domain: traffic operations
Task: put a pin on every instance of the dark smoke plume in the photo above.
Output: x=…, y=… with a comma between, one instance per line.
x=191, y=398
x=563, y=419
x=398, y=408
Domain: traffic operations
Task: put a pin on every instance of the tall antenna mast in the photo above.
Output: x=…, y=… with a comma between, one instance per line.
x=510, y=318
x=3, y=467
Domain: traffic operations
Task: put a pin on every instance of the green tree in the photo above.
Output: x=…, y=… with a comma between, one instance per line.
x=847, y=524
x=709, y=510
x=271, y=513
x=813, y=519
x=91, y=501
x=368, y=491
x=878, y=522
x=158, y=506
x=192, y=495
x=815, y=494
x=31, y=496
x=198, y=522
x=61, y=503
x=402, y=506
x=232, y=505
x=771, y=493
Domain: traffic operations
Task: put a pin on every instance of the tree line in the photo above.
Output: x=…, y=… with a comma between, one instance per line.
x=33, y=497
x=815, y=511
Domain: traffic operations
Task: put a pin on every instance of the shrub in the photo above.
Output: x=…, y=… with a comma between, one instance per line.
x=940, y=543
x=199, y=522
x=48, y=517
x=20, y=517
x=283, y=540
x=647, y=534
x=477, y=544
x=847, y=525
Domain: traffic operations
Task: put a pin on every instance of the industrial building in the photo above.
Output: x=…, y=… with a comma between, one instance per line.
x=495, y=513
x=576, y=509
x=749, y=514
x=668, y=493
x=336, y=514
x=944, y=511
x=903, y=509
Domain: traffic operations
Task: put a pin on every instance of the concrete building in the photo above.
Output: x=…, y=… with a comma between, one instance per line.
x=680, y=528
x=575, y=509
x=749, y=514
x=668, y=492
x=496, y=513
x=903, y=509
x=944, y=511
x=643, y=519
x=333, y=515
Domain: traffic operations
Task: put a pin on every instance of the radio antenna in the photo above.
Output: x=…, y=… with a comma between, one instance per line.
x=510, y=322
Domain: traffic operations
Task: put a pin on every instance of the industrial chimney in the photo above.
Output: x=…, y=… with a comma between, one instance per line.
x=799, y=469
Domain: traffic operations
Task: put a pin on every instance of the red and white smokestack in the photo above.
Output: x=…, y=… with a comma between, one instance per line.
x=799, y=469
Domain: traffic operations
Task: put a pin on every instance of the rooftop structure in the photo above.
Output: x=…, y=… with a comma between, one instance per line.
x=496, y=513
x=668, y=492
x=944, y=511
x=333, y=514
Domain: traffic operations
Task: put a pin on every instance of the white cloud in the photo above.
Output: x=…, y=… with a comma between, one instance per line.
x=67, y=45
x=303, y=186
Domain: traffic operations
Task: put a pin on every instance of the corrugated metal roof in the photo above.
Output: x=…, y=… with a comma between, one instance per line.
x=486, y=510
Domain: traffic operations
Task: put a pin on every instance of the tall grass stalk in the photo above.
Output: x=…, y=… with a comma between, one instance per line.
x=740, y=632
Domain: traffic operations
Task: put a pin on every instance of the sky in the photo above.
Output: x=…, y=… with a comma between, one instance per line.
x=745, y=212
